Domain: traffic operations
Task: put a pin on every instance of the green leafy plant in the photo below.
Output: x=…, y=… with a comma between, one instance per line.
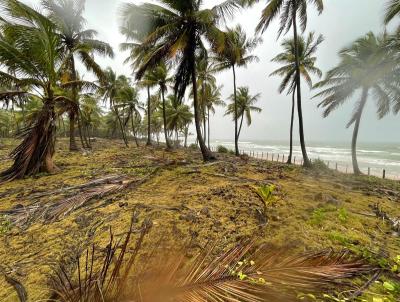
x=222, y=149
x=343, y=215
x=5, y=224
x=317, y=216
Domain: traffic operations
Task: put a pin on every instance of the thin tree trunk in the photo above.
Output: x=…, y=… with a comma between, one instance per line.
x=306, y=160
x=134, y=131
x=289, y=161
x=121, y=126
x=148, y=117
x=72, y=142
x=72, y=114
x=81, y=133
x=165, y=120
x=364, y=98
x=208, y=122
x=207, y=155
x=241, y=124
x=236, y=113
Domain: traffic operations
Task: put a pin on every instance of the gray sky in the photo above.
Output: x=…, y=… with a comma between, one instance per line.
x=342, y=22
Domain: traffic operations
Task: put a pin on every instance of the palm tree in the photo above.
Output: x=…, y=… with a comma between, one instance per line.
x=213, y=99
x=32, y=54
x=244, y=106
x=159, y=76
x=173, y=33
x=366, y=67
x=113, y=84
x=178, y=115
x=288, y=11
x=237, y=54
x=91, y=114
x=392, y=10
x=128, y=99
x=307, y=49
x=76, y=41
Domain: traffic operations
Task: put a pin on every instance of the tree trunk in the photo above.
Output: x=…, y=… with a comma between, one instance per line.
x=306, y=160
x=165, y=120
x=241, y=124
x=289, y=161
x=148, y=117
x=35, y=153
x=121, y=126
x=364, y=98
x=236, y=113
x=207, y=155
x=134, y=130
x=208, y=122
x=72, y=142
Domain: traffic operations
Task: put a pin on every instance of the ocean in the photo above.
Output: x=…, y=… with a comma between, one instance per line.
x=376, y=156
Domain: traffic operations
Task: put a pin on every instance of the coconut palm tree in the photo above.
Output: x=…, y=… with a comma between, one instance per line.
x=128, y=99
x=213, y=99
x=77, y=41
x=32, y=54
x=392, y=10
x=159, y=76
x=244, y=106
x=288, y=11
x=307, y=48
x=237, y=53
x=112, y=85
x=173, y=33
x=367, y=68
x=178, y=115
x=91, y=114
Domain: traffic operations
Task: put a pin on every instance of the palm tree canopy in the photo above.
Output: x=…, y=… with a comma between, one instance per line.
x=246, y=104
x=178, y=114
x=68, y=17
x=238, y=48
x=392, y=10
x=306, y=49
x=366, y=64
x=286, y=10
x=173, y=31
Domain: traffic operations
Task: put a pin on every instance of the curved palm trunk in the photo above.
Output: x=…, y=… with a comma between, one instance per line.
x=236, y=113
x=165, y=120
x=241, y=124
x=364, y=97
x=35, y=153
x=133, y=129
x=207, y=155
x=121, y=127
x=306, y=160
x=289, y=161
x=148, y=117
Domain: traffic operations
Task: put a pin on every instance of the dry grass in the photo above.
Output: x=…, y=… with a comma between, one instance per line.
x=189, y=202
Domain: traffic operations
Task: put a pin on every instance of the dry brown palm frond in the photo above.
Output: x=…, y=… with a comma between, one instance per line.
x=236, y=275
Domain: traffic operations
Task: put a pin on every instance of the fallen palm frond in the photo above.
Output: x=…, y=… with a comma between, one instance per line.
x=19, y=288
x=394, y=222
x=236, y=275
x=79, y=197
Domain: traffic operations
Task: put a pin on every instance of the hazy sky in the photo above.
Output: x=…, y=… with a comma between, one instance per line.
x=342, y=22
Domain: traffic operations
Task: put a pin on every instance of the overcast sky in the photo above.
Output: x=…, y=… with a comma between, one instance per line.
x=342, y=22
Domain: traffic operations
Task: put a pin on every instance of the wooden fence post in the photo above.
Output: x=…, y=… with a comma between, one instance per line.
x=369, y=171
x=384, y=174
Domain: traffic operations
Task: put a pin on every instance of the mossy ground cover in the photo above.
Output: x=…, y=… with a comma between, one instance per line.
x=192, y=203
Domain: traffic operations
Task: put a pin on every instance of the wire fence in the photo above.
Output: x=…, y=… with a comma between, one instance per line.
x=279, y=157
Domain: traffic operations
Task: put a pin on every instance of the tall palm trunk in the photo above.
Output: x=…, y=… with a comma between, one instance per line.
x=134, y=130
x=207, y=155
x=148, y=117
x=120, y=125
x=306, y=160
x=289, y=161
x=236, y=113
x=208, y=123
x=204, y=112
x=363, y=101
x=165, y=120
x=241, y=124
x=72, y=114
